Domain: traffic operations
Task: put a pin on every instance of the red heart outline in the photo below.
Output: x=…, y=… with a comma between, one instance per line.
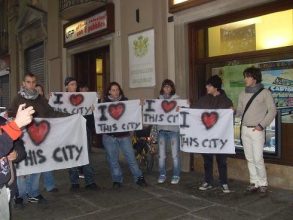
x=38, y=131
x=76, y=100
x=209, y=119
x=168, y=106
x=116, y=110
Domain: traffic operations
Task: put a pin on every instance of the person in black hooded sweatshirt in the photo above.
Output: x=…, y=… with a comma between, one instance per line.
x=215, y=98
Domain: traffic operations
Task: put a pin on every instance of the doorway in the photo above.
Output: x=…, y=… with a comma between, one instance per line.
x=92, y=68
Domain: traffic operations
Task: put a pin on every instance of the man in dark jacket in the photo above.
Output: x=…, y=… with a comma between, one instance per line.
x=29, y=95
x=215, y=99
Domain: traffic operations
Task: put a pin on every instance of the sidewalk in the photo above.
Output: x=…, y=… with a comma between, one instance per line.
x=157, y=201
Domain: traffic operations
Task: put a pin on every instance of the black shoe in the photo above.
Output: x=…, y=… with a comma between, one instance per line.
x=141, y=181
x=38, y=199
x=92, y=186
x=74, y=188
x=18, y=203
x=117, y=185
x=54, y=190
x=251, y=188
x=263, y=190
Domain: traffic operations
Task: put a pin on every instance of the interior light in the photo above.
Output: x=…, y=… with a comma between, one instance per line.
x=99, y=65
x=175, y=2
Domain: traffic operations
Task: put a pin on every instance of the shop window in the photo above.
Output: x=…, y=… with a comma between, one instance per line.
x=261, y=37
x=259, y=33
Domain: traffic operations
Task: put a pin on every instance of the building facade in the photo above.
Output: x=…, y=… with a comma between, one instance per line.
x=40, y=40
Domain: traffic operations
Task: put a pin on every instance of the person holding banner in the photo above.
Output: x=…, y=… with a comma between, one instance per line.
x=10, y=132
x=256, y=115
x=215, y=98
x=113, y=142
x=168, y=133
x=29, y=184
x=70, y=84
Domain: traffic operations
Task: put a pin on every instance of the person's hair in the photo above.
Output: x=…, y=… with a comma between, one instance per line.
x=29, y=75
x=168, y=82
x=42, y=87
x=114, y=84
x=253, y=72
x=69, y=79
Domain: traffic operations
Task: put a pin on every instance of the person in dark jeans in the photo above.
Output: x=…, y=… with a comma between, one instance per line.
x=87, y=170
x=214, y=99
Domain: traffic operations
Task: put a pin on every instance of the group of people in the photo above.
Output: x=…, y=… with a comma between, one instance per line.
x=255, y=105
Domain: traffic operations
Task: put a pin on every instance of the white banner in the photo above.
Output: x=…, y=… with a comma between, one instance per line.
x=53, y=144
x=207, y=131
x=74, y=102
x=141, y=48
x=162, y=111
x=118, y=116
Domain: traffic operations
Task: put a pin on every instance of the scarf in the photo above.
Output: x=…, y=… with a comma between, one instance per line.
x=114, y=99
x=253, y=89
x=28, y=94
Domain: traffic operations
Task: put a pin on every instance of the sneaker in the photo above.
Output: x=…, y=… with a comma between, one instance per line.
x=225, y=188
x=38, y=199
x=205, y=186
x=251, y=188
x=263, y=190
x=175, y=179
x=117, y=185
x=54, y=190
x=74, y=188
x=92, y=186
x=161, y=179
x=18, y=203
x=141, y=181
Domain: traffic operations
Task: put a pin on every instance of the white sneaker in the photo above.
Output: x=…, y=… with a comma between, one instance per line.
x=225, y=188
x=162, y=179
x=175, y=180
x=205, y=186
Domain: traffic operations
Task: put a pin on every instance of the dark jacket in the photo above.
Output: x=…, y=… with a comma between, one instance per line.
x=40, y=104
x=220, y=101
x=117, y=134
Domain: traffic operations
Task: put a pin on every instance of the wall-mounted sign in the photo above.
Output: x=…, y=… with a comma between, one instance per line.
x=94, y=24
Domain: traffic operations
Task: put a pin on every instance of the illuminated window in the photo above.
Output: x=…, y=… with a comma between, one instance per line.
x=259, y=33
x=99, y=76
x=179, y=1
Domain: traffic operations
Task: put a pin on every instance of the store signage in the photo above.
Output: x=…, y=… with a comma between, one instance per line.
x=97, y=23
x=85, y=27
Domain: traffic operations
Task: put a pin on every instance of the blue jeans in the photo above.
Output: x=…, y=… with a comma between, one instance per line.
x=28, y=185
x=112, y=146
x=173, y=139
x=88, y=174
x=49, y=181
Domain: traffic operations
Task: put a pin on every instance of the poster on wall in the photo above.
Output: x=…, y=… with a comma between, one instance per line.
x=277, y=76
x=141, y=48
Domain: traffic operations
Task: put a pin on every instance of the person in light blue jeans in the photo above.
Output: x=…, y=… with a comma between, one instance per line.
x=114, y=142
x=169, y=134
x=112, y=147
